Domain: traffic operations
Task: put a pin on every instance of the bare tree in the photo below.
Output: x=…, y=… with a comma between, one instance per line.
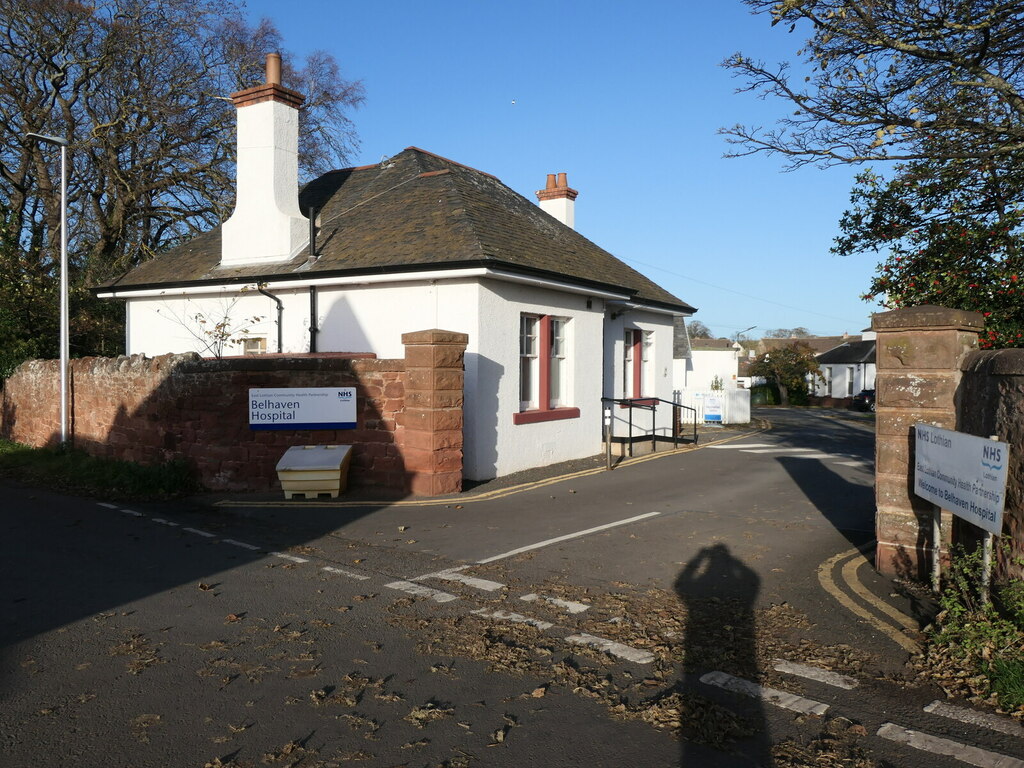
x=891, y=80
x=139, y=88
x=697, y=330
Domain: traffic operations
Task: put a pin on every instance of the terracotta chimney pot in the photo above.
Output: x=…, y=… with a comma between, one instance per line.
x=273, y=69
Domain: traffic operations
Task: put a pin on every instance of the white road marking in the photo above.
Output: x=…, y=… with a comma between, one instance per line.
x=132, y=513
x=566, y=537
x=293, y=558
x=453, y=574
x=939, y=746
x=610, y=646
x=242, y=544
x=985, y=720
x=781, y=699
x=778, y=449
x=343, y=572
x=858, y=464
x=515, y=618
x=198, y=532
x=165, y=522
x=810, y=456
x=566, y=605
x=421, y=591
x=815, y=673
x=731, y=446
x=107, y=504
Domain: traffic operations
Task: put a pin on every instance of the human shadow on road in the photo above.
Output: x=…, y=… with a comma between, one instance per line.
x=720, y=592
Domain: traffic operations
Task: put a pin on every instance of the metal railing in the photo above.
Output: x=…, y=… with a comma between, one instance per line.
x=646, y=404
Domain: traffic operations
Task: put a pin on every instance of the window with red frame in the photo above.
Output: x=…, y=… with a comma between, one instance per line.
x=543, y=370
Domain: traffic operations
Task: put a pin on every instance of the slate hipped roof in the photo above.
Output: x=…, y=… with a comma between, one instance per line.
x=851, y=352
x=413, y=212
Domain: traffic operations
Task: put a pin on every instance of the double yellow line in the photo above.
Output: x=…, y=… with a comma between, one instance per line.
x=893, y=623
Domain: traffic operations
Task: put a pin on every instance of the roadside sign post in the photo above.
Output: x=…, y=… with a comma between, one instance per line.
x=608, y=438
x=966, y=475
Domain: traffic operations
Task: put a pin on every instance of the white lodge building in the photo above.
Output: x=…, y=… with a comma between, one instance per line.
x=555, y=323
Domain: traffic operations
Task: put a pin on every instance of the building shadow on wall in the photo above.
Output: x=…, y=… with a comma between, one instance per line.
x=720, y=592
x=482, y=417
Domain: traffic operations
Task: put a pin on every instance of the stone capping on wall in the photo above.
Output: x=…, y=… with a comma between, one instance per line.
x=927, y=317
x=995, y=362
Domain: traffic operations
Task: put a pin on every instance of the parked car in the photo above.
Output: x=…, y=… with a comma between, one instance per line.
x=864, y=400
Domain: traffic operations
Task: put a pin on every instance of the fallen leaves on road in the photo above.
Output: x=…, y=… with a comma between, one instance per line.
x=838, y=746
x=428, y=713
x=142, y=652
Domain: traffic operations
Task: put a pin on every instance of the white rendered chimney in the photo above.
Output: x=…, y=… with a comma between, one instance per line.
x=559, y=200
x=266, y=224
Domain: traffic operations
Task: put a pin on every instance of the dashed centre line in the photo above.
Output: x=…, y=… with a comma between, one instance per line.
x=773, y=696
x=815, y=673
x=455, y=574
x=292, y=558
x=566, y=605
x=610, y=646
x=198, y=532
x=939, y=746
x=969, y=716
x=343, y=572
x=419, y=590
x=515, y=618
x=242, y=544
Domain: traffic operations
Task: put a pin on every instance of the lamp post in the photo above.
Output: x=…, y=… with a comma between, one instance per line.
x=63, y=144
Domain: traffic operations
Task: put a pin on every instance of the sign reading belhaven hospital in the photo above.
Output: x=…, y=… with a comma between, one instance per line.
x=962, y=473
x=303, y=408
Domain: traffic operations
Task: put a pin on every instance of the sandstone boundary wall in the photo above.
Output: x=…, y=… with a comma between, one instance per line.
x=409, y=413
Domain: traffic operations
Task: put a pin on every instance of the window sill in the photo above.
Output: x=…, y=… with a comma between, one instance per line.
x=555, y=414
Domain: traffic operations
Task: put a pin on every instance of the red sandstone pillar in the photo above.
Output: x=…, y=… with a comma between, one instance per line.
x=432, y=419
x=920, y=350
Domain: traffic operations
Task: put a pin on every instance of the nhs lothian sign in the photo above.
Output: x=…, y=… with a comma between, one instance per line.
x=303, y=408
x=962, y=473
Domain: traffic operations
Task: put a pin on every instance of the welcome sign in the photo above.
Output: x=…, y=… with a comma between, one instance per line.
x=303, y=408
x=962, y=473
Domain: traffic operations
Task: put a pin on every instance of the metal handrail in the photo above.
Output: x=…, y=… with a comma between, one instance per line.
x=649, y=404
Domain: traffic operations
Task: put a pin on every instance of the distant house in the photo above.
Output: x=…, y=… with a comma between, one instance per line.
x=847, y=369
x=709, y=361
x=817, y=344
x=362, y=255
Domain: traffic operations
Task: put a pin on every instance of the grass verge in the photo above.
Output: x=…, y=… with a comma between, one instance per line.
x=73, y=471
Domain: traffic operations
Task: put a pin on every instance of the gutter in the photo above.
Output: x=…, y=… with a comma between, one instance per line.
x=378, y=279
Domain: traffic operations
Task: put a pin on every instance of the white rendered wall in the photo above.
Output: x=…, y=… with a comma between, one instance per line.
x=863, y=378
x=266, y=224
x=704, y=366
x=373, y=319
x=493, y=397
x=662, y=369
x=158, y=325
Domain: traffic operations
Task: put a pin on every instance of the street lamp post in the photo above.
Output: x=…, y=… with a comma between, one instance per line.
x=63, y=144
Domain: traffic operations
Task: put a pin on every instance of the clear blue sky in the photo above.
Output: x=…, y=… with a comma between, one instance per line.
x=626, y=98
